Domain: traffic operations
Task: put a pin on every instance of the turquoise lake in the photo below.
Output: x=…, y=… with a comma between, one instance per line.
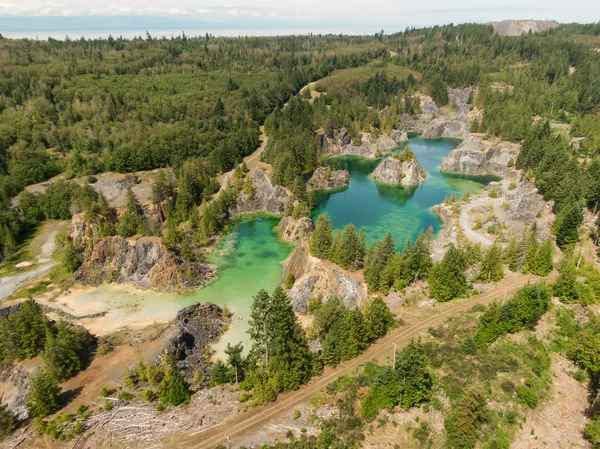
x=381, y=208
x=249, y=256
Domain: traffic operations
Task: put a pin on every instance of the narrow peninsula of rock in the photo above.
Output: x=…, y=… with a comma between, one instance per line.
x=400, y=169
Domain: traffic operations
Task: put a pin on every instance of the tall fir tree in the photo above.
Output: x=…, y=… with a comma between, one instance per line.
x=447, y=278
x=320, y=239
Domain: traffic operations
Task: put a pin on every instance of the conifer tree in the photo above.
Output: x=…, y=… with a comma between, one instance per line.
x=355, y=342
x=335, y=250
x=377, y=319
x=348, y=247
x=446, y=278
x=43, y=396
x=564, y=287
x=235, y=360
x=491, y=267
x=569, y=219
x=320, y=239
x=411, y=370
x=543, y=259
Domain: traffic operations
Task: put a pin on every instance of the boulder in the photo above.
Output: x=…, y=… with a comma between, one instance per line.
x=320, y=278
x=324, y=178
x=195, y=327
x=293, y=231
x=393, y=170
x=143, y=261
x=476, y=156
x=267, y=197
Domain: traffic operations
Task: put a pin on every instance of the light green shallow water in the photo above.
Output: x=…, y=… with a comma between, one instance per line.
x=250, y=256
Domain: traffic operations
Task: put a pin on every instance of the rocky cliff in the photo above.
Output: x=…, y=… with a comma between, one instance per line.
x=476, y=156
x=145, y=262
x=324, y=178
x=320, y=278
x=195, y=327
x=340, y=144
x=267, y=197
x=14, y=384
x=293, y=231
x=392, y=170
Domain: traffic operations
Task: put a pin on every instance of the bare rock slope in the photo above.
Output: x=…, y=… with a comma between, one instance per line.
x=320, y=278
x=476, y=156
x=519, y=27
x=145, y=262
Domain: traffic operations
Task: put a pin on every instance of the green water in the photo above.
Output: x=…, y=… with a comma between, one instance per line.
x=381, y=208
x=248, y=259
x=250, y=255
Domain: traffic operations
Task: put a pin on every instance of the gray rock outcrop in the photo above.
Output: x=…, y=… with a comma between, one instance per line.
x=369, y=147
x=293, y=231
x=320, y=278
x=267, y=197
x=324, y=178
x=519, y=27
x=144, y=261
x=525, y=202
x=476, y=156
x=195, y=327
x=392, y=170
x=14, y=385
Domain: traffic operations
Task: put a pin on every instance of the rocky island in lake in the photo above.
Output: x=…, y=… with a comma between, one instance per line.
x=400, y=169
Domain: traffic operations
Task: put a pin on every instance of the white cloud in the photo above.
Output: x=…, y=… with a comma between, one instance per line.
x=332, y=11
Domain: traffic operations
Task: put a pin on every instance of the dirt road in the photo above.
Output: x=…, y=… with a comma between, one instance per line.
x=231, y=431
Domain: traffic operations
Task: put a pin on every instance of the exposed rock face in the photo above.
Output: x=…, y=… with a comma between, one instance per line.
x=448, y=235
x=524, y=202
x=476, y=156
x=14, y=383
x=319, y=278
x=194, y=328
x=341, y=145
x=393, y=171
x=293, y=231
x=519, y=27
x=267, y=197
x=324, y=178
x=145, y=262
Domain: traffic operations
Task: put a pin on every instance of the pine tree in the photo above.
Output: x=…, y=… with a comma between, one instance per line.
x=411, y=370
x=377, y=319
x=219, y=374
x=43, y=396
x=162, y=188
x=259, y=328
x=235, y=360
x=335, y=250
x=491, y=267
x=564, y=287
x=174, y=388
x=334, y=342
x=543, y=259
x=355, y=335
x=446, y=278
x=291, y=360
x=569, y=219
x=349, y=247
x=320, y=239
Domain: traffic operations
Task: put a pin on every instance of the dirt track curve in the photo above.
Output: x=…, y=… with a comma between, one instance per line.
x=231, y=431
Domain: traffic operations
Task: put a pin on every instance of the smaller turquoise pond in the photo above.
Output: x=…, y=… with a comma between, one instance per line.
x=381, y=208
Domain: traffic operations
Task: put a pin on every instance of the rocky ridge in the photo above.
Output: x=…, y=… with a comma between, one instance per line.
x=519, y=27
x=324, y=178
x=340, y=144
x=392, y=170
x=320, y=278
x=143, y=261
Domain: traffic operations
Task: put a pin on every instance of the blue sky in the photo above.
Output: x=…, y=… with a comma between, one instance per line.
x=314, y=15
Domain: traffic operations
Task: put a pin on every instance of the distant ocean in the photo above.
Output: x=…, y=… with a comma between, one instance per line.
x=130, y=34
